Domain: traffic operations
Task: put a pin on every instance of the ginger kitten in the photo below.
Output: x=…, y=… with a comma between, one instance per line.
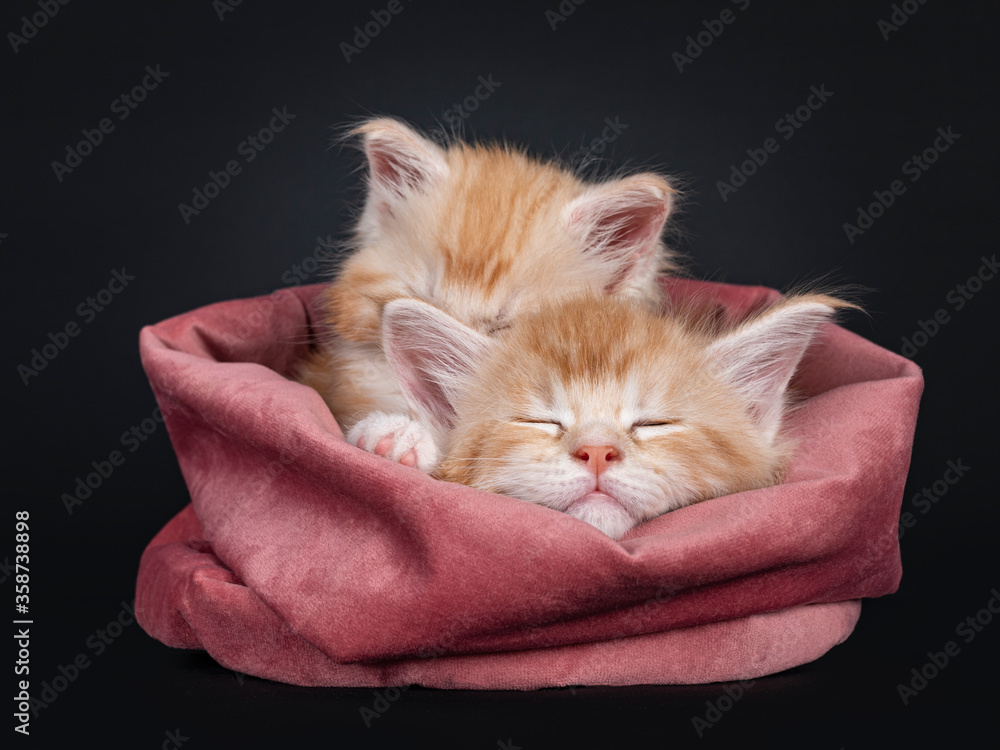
x=602, y=407
x=483, y=233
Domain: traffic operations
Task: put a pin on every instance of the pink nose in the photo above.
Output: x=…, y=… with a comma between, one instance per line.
x=597, y=457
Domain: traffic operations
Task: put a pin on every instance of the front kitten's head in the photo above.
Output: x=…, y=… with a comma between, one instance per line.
x=600, y=407
x=484, y=232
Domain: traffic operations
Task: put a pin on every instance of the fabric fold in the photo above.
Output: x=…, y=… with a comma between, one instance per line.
x=306, y=560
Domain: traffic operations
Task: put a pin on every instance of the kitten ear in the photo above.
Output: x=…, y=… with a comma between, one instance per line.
x=619, y=224
x=760, y=357
x=432, y=355
x=400, y=160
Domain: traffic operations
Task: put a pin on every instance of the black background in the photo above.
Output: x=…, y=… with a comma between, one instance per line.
x=60, y=241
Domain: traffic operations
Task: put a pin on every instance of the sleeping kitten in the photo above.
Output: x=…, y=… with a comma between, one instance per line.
x=482, y=233
x=602, y=407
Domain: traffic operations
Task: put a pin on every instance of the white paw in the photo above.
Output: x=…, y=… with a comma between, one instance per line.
x=396, y=437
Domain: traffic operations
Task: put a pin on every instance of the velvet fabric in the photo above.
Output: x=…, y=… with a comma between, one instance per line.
x=305, y=560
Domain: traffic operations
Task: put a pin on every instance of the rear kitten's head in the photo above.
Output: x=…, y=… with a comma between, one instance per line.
x=484, y=232
x=602, y=408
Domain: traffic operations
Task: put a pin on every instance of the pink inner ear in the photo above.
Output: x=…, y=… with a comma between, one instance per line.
x=427, y=392
x=622, y=227
x=431, y=354
x=773, y=375
x=394, y=169
x=632, y=227
x=760, y=357
x=626, y=235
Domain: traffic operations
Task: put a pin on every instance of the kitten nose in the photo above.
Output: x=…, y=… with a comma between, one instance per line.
x=597, y=457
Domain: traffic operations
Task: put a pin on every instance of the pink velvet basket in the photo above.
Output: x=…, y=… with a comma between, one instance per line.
x=305, y=560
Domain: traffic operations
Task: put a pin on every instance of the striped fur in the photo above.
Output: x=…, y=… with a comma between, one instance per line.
x=690, y=412
x=484, y=233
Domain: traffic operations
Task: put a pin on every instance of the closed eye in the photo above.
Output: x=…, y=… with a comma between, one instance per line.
x=494, y=327
x=655, y=427
x=547, y=425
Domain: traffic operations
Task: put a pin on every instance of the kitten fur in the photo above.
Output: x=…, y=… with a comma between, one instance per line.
x=604, y=408
x=483, y=233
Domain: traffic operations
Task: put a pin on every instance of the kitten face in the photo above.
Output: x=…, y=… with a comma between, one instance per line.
x=604, y=410
x=484, y=233
x=614, y=428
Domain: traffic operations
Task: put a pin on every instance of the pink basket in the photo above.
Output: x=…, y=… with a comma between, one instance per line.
x=305, y=560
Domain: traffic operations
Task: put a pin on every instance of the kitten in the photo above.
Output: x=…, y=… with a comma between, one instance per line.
x=482, y=233
x=602, y=407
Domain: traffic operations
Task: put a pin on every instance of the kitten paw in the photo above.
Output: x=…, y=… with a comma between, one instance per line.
x=396, y=437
